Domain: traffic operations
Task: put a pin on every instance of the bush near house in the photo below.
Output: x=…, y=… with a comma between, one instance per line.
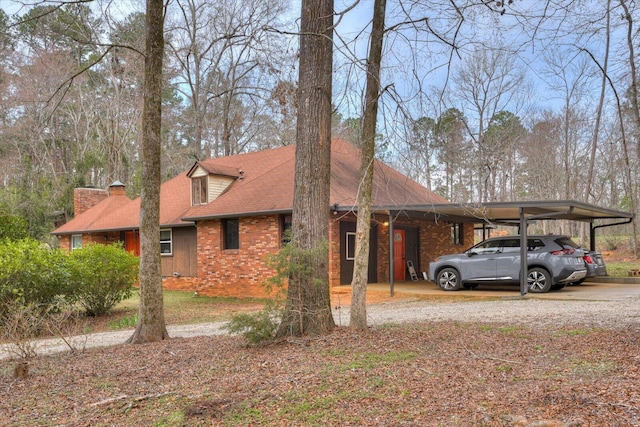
x=31, y=273
x=96, y=277
x=12, y=227
x=102, y=276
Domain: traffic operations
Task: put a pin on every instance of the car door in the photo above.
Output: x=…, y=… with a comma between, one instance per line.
x=480, y=265
x=508, y=261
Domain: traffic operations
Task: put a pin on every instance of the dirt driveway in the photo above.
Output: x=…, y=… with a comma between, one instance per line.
x=588, y=291
x=595, y=304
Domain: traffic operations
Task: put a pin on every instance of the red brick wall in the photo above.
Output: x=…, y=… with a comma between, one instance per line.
x=85, y=198
x=434, y=240
x=65, y=243
x=242, y=272
x=101, y=238
x=189, y=284
x=334, y=251
x=237, y=272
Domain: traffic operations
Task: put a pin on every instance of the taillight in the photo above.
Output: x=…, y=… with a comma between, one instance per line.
x=566, y=251
x=588, y=259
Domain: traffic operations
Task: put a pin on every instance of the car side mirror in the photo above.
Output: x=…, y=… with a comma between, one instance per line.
x=471, y=253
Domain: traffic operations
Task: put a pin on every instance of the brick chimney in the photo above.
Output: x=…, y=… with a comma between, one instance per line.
x=85, y=198
x=116, y=189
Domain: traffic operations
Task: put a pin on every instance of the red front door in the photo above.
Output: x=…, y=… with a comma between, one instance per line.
x=132, y=242
x=398, y=255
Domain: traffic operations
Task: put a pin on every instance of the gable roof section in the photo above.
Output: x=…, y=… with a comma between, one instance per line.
x=121, y=213
x=99, y=218
x=264, y=184
x=390, y=187
x=215, y=169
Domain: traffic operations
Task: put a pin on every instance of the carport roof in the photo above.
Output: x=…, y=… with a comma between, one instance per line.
x=509, y=212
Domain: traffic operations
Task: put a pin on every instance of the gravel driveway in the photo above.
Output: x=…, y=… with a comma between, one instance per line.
x=617, y=313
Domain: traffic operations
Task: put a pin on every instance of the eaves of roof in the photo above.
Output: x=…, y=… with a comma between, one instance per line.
x=112, y=213
x=264, y=185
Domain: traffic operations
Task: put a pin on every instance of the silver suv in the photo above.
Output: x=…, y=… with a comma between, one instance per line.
x=553, y=262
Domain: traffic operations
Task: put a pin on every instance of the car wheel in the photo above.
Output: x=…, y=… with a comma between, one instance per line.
x=538, y=280
x=448, y=279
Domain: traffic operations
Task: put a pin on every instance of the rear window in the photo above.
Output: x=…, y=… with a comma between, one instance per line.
x=566, y=242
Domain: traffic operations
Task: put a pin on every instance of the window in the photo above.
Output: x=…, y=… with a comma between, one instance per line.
x=350, y=246
x=511, y=245
x=199, y=190
x=165, y=242
x=534, y=244
x=76, y=241
x=488, y=247
x=285, y=227
x=457, y=235
x=231, y=233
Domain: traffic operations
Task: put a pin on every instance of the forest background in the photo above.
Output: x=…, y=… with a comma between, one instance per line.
x=481, y=101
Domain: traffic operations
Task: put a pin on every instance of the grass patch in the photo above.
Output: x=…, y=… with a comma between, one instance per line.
x=125, y=322
x=585, y=369
x=247, y=416
x=185, y=308
x=174, y=419
x=310, y=408
x=621, y=268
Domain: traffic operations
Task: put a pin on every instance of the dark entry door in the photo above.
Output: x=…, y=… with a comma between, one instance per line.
x=347, y=251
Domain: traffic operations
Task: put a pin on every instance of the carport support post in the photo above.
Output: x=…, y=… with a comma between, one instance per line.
x=523, y=254
x=391, y=259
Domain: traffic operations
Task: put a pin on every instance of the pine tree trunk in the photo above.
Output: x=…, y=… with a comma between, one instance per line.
x=151, y=325
x=358, y=319
x=308, y=306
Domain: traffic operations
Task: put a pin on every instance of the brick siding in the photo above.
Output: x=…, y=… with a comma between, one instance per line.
x=434, y=240
x=242, y=272
x=237, y=272
x=85, y=198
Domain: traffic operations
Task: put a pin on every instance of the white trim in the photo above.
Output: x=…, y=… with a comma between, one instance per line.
x=169, y=242
x=347, y=248
x=72, y=244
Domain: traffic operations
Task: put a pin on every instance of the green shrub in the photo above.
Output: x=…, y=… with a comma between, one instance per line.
x=262, y=326
x=611, y=243
x=257, y=327
x=31, y=273
x=12, y=227
x=102, y=276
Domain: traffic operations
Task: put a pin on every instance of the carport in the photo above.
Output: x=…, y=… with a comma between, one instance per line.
x=518, y=214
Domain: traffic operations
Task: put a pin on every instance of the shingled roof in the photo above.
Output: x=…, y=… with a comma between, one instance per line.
x=263, y=185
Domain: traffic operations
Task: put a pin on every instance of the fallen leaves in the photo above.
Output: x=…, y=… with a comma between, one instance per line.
x=430, y=373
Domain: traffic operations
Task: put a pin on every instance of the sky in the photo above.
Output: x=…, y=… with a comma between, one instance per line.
x=414, y=61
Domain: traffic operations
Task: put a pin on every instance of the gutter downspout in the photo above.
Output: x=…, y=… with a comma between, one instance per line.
x=592, y=231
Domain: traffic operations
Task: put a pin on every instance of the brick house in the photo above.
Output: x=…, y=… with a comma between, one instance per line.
x=222, y=216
